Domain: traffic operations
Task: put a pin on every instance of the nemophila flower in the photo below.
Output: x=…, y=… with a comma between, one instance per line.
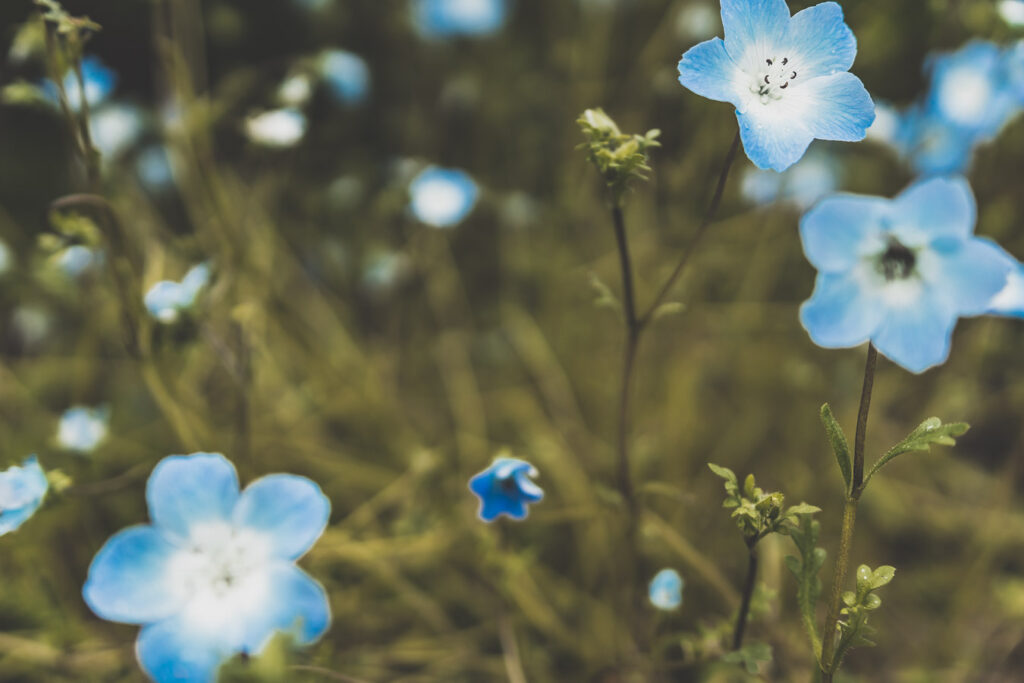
x=154, y=168
x=22, y=490
x=167, y=299
x=82, y=428
x=802, y=184
x=295, y=90
x=213, y=575
x=115, y=127
x=666, y=590
x=786, y=76
x=453, y=18
x=899, y=272
x=1011, y=11
x=505, y=488
x=442, y=197
x=99, y=80
x=347, y=76
x=78, y=259
x=277, y=128
x=972, y=89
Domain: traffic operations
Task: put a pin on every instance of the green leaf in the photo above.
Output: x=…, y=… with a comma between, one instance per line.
x=603, y=296
x=882, y=576
x=840, y=446
x=668, y=308
x=929, y=432
x=802, y=509
x=724, y=473
x=750, y=655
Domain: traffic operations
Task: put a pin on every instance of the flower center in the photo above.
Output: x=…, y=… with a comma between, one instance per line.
x=776, y=75
x=897, y=261
x=216, y=559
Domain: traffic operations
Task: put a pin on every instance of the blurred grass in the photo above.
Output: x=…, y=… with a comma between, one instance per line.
x=391, y=398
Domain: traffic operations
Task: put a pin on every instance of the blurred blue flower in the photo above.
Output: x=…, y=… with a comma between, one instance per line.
x=295, y=90
x=442, y=197
x=277, y=127
x=100, y=82
x=932, y=145
x=115, y=127
x=1011, y=11
x=347, y=76
x=786, y=76
x=505, y=488
x=452, y=18
x=214, y=574
x=22, y=490
x=167, y=299
x=82, y=429
x=77, y=259
x=899, y=272
x=154, y=168
x=803, y=183
x=971, y=89
x=666, y=590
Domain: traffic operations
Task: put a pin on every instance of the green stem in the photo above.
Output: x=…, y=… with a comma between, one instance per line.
x=828, y=647
x=748, y=593
x=629, y=361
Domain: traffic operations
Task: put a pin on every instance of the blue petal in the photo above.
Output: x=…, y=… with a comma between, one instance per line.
x=442, y=197
x=840, y=313
x=297, y=604
x=495, y=506
x=496, y=495
x=195, y=279
x=756, y=25
x=169, y=651
x=292, y=510
x=665, y=590
x=22, y=490
x=164, y=299
x=1010, y=300
x=841, y=229
x=347, y=76
x=837, y=107
x=820, y=41
x=126, y=578
x=970, y=273
x=772, y=144
x=932, y=209
x=186, y=489
x=707, y=70
x=917, y=336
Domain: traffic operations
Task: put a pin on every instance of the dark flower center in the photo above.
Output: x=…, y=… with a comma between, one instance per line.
x=508, y=485
x=897, y=263
x=776, y=78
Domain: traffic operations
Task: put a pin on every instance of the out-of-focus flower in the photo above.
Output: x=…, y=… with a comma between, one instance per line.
x=115, y=127
x=442, y=197
x=666, y=590
x=82, y=428
x=214, y=573
x=78, y=259
x=347, y=76
x=22, y=490
x=32, y=324
x=276, y=128
x=899, y=272
x=803, y=183
x=697, y=21
x=100, y=82
x=295, y=90
x=154, y=168
x=384, y=269
x=453, y=18
x=1012, y=11
x=166, y=300
x=505, y=488
x=971, y=89
x=786, y=76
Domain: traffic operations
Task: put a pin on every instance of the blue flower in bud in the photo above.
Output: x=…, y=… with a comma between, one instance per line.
x=213, y=575
x=505, y=488
x=666, y=590
x=453, y=18
x=22, y=490
x=167, y=299
x=786, y=76
x=82, y=429
x=899, y=272
x=442, y=197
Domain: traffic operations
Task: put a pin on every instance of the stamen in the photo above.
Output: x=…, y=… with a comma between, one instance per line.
x=785, y=61
x=898, y=261
x=769, y=62
x=766, y=79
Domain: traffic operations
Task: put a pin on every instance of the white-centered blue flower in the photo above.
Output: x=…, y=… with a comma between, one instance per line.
x=971, y=89
x=22, y=490
x=347, y=76
x=214, y=573
x=277, y=128
x=166, y=300
x=442, y=197
x=666, y=590
x=506, y=487
x=899, y=272
x=115, y=127
x=786, y=76
x=453, y=18
x=82, y=428
x=802, y=184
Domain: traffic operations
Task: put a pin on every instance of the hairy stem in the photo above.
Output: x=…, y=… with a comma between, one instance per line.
x=748, y=593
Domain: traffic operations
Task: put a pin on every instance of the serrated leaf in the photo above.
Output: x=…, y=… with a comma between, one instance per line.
x=929, y=432
x=840, y=446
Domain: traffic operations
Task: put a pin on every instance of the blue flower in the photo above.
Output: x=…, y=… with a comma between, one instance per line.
x=442, y=197
x=115, y=127
x=786, y=76
x=214, y=574
x=347, y=76
x=899, y=272
x=666, y=590
x=167, y=299
x=802, y=184
x=78, y=259
x=452, y=18
x=22, y=490
x=505, y=488
x=82, y=429
x=972, y=89
x=99, y=80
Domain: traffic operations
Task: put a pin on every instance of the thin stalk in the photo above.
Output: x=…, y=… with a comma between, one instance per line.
x=748, y=594
x=629, y=361
x=92, y=166
x=828, y=647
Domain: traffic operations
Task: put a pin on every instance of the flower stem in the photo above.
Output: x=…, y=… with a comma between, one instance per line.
x=748, y=593
x=828, y=665
x=629, y=360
